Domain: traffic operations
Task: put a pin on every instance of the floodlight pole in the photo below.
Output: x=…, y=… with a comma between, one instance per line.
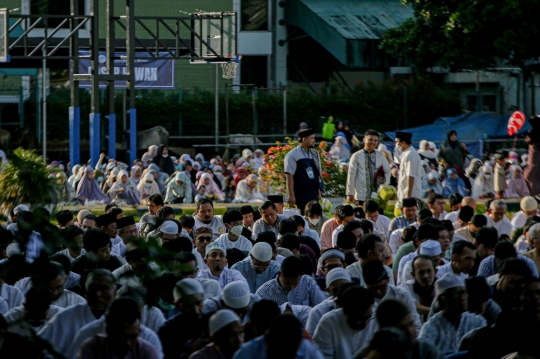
x=130, y=84
x=95, y=141
x=44, y=99
x=110, y=82
x=74, y=109
x=216, y=104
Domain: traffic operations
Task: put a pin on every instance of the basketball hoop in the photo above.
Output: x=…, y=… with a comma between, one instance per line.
x=228, y=69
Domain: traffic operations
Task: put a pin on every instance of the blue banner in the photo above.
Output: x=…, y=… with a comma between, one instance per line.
x=149, y=73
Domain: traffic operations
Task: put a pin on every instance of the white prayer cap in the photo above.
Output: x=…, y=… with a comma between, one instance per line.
x=19, y=208
x=447, y=281
x=433, y=175
x=262, y=252
x=215, y=246
x=337, y=274
x=528, y=204
x=431, y=248
x=236, y=294
x=221, y=319
x=332, y=253
x=13, y=249
x=187, y=287
x=169, y=227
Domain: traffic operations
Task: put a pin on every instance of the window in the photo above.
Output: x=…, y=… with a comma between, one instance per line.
x=254, y=15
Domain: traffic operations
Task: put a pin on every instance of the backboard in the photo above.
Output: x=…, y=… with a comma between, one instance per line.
x=214, y=37
x=3, y=35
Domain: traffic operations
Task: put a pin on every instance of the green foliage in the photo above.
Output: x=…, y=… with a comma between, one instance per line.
x=26, y=180
x=469, y=34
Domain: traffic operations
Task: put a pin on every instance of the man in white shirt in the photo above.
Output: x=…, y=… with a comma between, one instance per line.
x=204, y=217
x=343, y=331
x=463, y=258
x=411, y=171
x=345, y=215
x=12, y=295
x=436, y=205
x=466, y=201
x=529, y=208
x=269, y=220
x=73, y=237
x=216, y=260
x=126, y=230
x=469, y=232
x=258, y=267
x=233, y=238
x=424, y=233
x=380, y=221
x=369, y=248
x=496, y=217
x=187, y=268
x=421, y=288
x=368, y=169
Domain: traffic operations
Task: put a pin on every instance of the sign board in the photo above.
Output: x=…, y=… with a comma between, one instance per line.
x=4, y=35
x=149, y=73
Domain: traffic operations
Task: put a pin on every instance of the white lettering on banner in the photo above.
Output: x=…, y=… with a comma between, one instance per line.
x=141, y=73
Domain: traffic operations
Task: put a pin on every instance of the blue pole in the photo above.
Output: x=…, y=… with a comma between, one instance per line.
x=74, y=136
x=132, y=135
x=112, y=135
x=94, y=138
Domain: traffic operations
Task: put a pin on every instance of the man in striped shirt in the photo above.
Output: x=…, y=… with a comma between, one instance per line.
x=292, y=286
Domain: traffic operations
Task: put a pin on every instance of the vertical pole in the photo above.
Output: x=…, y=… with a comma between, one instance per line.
x=404, y=107
x=95, y=145
x=110, y=84
x=518, y=87
x=44, y=88
x=227, y=108
x=180, y=118
x=254, y=109
x=524, y=84
x=284, y=110
x=74, y=109
x=21, y=108
x=533, y=104
x=216, y=106
x=130, y=66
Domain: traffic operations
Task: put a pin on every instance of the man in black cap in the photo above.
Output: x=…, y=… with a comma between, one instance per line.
x=411, y=171
x=126, y=230
x=64, y=218
x=303, y=171
x=107, y=223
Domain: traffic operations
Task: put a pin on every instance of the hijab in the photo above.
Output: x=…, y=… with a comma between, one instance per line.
x=118, y=184
x=454, y=185
x=472, y=171
x=240, y=170
x=199, y=155
x=483, y=183
x=426, y=153
x=341, y=148
x=136, y=179
x=450, y=142
x=516, y=187
x=153, y=189
x=212, y=188
x=89, y=188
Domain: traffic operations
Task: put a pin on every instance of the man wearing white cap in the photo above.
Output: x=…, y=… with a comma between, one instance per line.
x=424, y=233
x=334, y=279
x=227, y=334
x=258, y=268
x=187, y=325
x=529, y=208
x=216, y=260
x=236, y=296
x=430, y=248
x=445, y=329
x=168, y=231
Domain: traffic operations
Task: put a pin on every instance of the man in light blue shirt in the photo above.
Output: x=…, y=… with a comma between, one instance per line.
x=258, y=268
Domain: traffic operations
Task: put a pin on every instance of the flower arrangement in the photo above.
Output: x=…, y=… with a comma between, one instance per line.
x=273, y=175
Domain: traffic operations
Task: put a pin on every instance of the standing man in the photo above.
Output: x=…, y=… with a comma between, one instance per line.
x=411, y=171
x=303, y=171
x=368, y=169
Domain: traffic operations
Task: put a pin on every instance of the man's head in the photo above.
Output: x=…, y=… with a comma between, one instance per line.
x=403, y=140
x=225, y=328
x=290, y=273
x=270, y=238
x=107, y=223
x=356, y=228
x=463, y=256
x=425, y=231
x=188, y=222
x=455, y=201
x=122, y=324
x=345, y=214
x=477, y=221
x=188, y=297
x=376, y=278
x=237, y=297
x=291, y=242
x=283, y=337
x=332, y=258
x=451, y=294
x=64, y=218
x=90, y=221
x=97, y=244
x=52, y=276
x=233, y=223
x=335, y=278
x=186, y=264
x=465, y=215
x=511, y=272
x=497, y=210
x=205, y=210
x=202, y=238
x=314, y=212
x=81, y=215
x=216, y=258
x=424, y=270
x=168, y=231
x=485, y=241
x=371, y=208
x=431, y=248
x=155, y=202
x=357, y=304
x=346, y=242
x=127, y=228
x=410, y=208
x=371, y=140
x=436, y=204
x=165, y=213
x=394, y=313
x=530, y=296
x=529, y=206
x=118, y=212
x=73, y=237
x=261, y=256
x=533, y=236
x=247, y=215
x=502, y=251
x=307, y=138
x=268, y=212
x=444, y=237
x=261, y=315
x=370, y=248
x=100, y=288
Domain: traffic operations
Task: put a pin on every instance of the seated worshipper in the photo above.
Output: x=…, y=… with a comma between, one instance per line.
x=258, y=268
x=433, y=184
x=227, y=335
x=453, y=184
x=201, y=190
x=164, y=161
x=147, y=187
x=485, y=242
x=534, y=240
x=63, y=327
x=236, y=297
x=73, y=241
x=425, y=232
x=369, y=248
x=137, y=271
x=340, y=149
x=107, y=223
x=522, y=243
x=505, y=292
x=122, y=337
x=27, y=319
x=179, y=332
x=64, y=218
x=483, y=184
x=247, y=216
x=111, y=179
x=291, y=285
x=98, y=253
x=392, y=313
x=247, y=191
x=344, y=331
x=72, y=279
x=503, y=251
x=126, y=229
x=12, y=295
x=345, y=215
x=430, y=248
x=469, y=231
x=216, y=261
x=136, y=173
x=88, y=188
x=328, y=228
x=233, y=238
x=283, y=339
x=89, y=221
x=330, y=259
x=308, y=244
x=315, y=217
x=292, y=243
x=463, y=257
x=81, y=215
x=187, y=223
x=455, y=204
x=168, y=231
x=305, y=231
x=337, y=281
x=380, y=221
x=387, y=343
x=204, y=217
x=421, y=288
x=436, y=205
x=258, y=160
x=65, y=190
x=528, y=207
x=479, y=301
x=179, y=189
x=346, y=242
x=124, y=190
x=496, y=217
x=445, y=329
x=202, y=238
x=516, y=187
x=186, y=266
x=148, y=156
x=212, y=190
x=399, y=237
x=408, y=218
x=269, y=220
x=27, y=241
